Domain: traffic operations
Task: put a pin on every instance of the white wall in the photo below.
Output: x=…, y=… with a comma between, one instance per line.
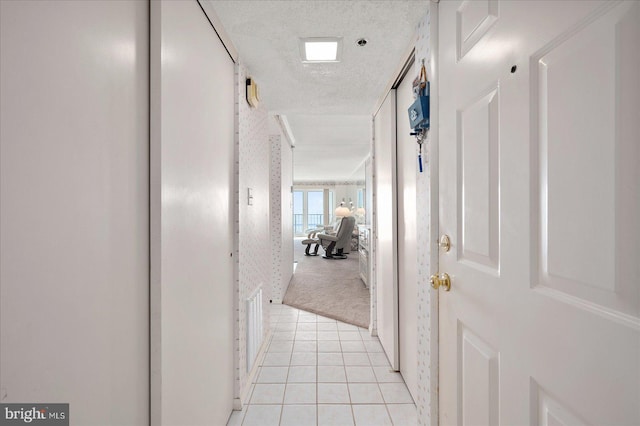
x=254, y=259
x=370, y=218
x=192, y=233
x=281, y=217
x=348, y=192
x=74, y=281
x=287, y=215
x=428, y=231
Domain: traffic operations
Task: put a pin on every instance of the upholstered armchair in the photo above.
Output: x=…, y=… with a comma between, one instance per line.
x=339, y=241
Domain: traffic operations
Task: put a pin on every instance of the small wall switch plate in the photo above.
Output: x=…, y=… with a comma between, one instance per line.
x=250, y=196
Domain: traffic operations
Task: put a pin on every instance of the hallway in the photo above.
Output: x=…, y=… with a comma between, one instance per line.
x=318, y=371
x=150, y=154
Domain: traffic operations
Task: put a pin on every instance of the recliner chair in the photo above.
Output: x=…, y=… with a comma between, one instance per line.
x=339, y=241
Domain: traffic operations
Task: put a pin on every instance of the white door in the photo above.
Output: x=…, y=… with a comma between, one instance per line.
x=385, y=223
x=74, y=208
x=407, y=164
x=192, y=234
x=539, y=175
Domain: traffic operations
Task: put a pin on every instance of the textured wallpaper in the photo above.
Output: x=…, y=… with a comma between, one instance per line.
x=427, y=234
x=276, y=219
x=286, y=168
x=253, y=257
x=281, y=216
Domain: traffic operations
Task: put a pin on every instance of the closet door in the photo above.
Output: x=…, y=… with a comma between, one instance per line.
x=192, y=231
x=386, y=272
x=407, y=160
x=74, y=216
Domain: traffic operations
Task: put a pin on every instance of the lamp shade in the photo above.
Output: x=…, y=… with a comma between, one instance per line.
x=342, y=211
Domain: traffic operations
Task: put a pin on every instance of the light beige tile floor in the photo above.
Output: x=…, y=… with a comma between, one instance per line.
x=322, y=372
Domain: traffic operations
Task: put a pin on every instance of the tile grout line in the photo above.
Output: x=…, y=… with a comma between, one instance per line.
x=368, y=356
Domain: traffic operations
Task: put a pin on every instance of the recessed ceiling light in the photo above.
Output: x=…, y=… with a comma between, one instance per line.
x=321, y=49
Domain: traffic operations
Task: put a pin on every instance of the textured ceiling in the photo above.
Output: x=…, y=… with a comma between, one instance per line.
x=328, y=105
x=330, y=147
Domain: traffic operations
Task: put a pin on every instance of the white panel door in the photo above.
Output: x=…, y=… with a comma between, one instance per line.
x=195, y=237
x=74, y=200
x=385, y=227
x=539, y=174
x=407, y=236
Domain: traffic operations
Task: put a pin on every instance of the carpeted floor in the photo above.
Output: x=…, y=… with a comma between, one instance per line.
x=331, y=288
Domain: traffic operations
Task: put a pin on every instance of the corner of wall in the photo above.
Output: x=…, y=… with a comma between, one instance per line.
x=281, y=215
x=426, y=403
x=276, y=218
x=287, y=214
x=252, y=220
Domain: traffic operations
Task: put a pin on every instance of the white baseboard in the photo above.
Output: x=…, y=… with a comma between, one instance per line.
x=238, y=403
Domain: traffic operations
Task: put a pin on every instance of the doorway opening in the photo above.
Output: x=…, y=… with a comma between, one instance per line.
x=334, y=287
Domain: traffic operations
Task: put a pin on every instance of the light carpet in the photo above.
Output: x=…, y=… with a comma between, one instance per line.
x=331, y=288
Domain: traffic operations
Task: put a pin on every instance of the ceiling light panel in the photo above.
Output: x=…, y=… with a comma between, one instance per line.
x=321, y=49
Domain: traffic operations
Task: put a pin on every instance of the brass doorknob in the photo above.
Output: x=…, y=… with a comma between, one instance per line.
x=445, y=243
x=441, y=280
